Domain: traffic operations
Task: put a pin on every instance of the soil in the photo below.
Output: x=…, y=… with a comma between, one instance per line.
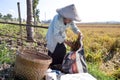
x=112, y=64
x=7, y=70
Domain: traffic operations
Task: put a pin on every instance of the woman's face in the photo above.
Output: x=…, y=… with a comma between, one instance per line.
x=67, y=20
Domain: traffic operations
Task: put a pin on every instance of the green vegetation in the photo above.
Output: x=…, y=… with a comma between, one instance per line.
x=102, y=46
x=93, y=69
x=6, y=55
x=117, y=73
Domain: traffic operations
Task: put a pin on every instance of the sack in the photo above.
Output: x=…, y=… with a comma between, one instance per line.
x=53, y=74
x=77, y=76
x=74, y=61
x=50, y=75
x=58, y=75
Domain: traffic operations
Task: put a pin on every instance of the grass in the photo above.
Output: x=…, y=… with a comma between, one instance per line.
x=94, y=70
x=6, y=55
x=99, y=40
x=97, y=43
x=12, y=33
x=117, y=74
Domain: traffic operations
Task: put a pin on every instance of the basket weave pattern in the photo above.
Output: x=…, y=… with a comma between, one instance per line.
x=32, y=66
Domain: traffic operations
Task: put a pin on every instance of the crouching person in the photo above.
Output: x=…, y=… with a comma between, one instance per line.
x=56, y=36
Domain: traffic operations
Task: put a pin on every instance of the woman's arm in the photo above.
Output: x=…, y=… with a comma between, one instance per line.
x=75, y=29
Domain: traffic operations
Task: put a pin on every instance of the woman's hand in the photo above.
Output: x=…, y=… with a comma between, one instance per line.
x=68, y=43
x=80, y=35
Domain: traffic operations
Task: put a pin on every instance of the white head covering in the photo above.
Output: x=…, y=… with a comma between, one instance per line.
x=69, y=12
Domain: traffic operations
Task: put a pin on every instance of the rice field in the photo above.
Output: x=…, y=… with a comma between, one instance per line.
x=101, y=45
x=100, y=42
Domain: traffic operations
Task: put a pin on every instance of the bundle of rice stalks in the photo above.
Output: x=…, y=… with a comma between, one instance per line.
x=75, y=45
x=73, y=39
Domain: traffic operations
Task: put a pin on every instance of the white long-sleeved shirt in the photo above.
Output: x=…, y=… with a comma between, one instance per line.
x=56, y=32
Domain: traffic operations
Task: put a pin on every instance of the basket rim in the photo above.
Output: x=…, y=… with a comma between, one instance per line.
x=39, y=57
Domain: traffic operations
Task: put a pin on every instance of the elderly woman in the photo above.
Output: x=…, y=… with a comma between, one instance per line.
x=56, y=36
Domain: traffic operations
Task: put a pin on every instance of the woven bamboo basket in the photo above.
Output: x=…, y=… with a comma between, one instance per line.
x=31, y=64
